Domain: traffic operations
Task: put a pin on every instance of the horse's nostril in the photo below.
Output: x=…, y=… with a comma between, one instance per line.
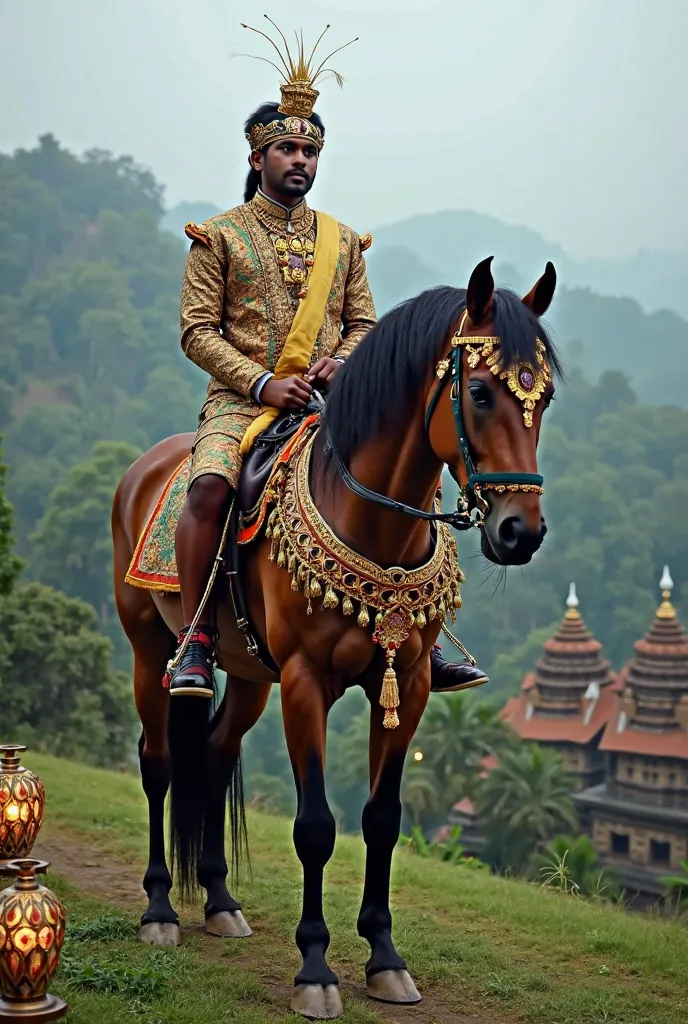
x=509, y=532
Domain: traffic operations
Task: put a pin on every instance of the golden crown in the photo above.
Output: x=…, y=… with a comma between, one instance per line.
x=299, y=94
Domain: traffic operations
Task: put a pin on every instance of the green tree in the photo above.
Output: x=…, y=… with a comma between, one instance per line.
x=72, y=542
x=522, y=803
x=10, y=565
x=58, y=691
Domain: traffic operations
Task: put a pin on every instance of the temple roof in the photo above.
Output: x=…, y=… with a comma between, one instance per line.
x=568, y=696
x=650, y=715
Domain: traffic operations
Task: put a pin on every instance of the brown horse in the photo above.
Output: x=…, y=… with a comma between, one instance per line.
x=389, y=427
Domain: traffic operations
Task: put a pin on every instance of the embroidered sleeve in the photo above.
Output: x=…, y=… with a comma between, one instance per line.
x=358, y=313
x=202, y=302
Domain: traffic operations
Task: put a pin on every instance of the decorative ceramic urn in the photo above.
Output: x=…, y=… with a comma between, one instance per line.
x=32, y=927
x=22, y=798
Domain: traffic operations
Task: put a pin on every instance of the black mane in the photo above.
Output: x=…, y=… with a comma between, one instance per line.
x=381, y=378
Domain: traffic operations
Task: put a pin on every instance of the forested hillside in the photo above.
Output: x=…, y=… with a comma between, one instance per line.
x=93, y=374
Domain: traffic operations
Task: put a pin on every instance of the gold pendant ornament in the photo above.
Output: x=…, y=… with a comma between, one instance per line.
x=326, y=570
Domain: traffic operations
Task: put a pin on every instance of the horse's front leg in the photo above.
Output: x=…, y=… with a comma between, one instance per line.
x=386, y=975
x=243, y=705
x=305, y=704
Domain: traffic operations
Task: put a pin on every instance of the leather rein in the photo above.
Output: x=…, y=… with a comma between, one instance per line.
x=470, y=496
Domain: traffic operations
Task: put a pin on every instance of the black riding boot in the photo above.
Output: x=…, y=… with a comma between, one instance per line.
x=194, y=675
x=448, y=677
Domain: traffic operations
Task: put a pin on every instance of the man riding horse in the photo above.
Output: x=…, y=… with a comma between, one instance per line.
x=245, y=289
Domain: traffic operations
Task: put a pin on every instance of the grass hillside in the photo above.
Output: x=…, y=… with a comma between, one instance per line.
x=483, y=950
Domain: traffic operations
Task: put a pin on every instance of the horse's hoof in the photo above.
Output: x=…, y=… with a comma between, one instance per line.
x=393, y=987
x=317, y=1002
x=228, y=925
x=157, y=934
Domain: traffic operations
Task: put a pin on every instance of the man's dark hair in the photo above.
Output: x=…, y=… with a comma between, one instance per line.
x=266, y=113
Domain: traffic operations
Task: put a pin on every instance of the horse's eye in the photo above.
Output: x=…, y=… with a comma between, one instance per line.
x=480, y=394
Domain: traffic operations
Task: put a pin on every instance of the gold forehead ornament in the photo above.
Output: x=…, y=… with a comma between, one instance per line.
x=527, y=382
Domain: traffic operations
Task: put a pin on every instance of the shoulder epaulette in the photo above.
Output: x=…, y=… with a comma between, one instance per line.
x=197, y=234
x=365, y=242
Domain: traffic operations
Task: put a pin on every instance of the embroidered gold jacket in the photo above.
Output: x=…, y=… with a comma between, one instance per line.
x=236, y=306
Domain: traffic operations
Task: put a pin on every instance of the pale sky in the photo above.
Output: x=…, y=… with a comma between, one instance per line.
x=568, y=116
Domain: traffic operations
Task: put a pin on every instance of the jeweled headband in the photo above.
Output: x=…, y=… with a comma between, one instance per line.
x=297, y=88
x=261, y=135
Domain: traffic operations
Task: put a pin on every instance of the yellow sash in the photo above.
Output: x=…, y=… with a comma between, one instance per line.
x=298, y=348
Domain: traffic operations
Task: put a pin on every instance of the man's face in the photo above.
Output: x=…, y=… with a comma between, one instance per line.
x=287, y=167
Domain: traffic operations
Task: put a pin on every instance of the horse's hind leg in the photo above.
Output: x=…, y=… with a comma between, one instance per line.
x=243, y=705
x=152, y=645
x=160, y=923
x=386, y=975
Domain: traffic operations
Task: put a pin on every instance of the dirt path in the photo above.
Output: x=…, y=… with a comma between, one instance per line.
x=99, y=875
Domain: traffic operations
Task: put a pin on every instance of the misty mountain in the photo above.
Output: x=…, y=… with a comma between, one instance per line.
x=595, y=331
x=449, y=244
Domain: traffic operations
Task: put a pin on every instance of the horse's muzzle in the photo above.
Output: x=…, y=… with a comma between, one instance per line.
x=513, y=542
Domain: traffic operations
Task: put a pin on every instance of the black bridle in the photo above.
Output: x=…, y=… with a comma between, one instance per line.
x=470, y=497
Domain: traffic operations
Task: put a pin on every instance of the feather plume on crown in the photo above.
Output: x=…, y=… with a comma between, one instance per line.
x=300, y=75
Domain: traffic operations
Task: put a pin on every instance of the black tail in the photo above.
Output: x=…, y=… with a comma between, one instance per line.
x=187, y=732
x=237, y=823
x=189, y=729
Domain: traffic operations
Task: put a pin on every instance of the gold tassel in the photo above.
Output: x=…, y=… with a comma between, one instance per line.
x=391, y=719
x=442, y=611
x=432, y=613
x=291, y=564
x=330, y=600
x=282, y=556
x=348, y=606
x=389, y=697
x=363, y=617
x=273, y=550
x=271, y=523
x=458, y=600
x=302, y=574
x=295, y=584
x=277, y=532
x=421, y=621
x=314, y=590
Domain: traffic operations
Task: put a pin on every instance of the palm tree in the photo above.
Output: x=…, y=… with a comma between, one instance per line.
x=457, y=731
x=421, y=793
x=522, y=803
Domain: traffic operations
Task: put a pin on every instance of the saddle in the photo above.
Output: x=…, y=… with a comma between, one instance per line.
x=255, y=474
x=261, y=459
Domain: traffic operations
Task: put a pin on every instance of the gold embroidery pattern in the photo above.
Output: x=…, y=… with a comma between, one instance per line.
x=323, y=568
x=237, y=308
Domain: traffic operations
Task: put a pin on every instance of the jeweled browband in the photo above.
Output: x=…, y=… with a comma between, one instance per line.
x=298, y=90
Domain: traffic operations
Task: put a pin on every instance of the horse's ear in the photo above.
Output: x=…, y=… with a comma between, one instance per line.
x=480, y=292
x=539, y=298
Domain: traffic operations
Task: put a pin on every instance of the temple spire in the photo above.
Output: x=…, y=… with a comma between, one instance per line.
x=666, y=609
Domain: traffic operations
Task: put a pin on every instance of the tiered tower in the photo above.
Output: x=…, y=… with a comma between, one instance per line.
x=567, y=700
x=639, y=818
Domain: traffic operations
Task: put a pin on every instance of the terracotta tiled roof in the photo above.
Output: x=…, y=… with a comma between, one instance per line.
x=577, y=728
x=643, y=741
